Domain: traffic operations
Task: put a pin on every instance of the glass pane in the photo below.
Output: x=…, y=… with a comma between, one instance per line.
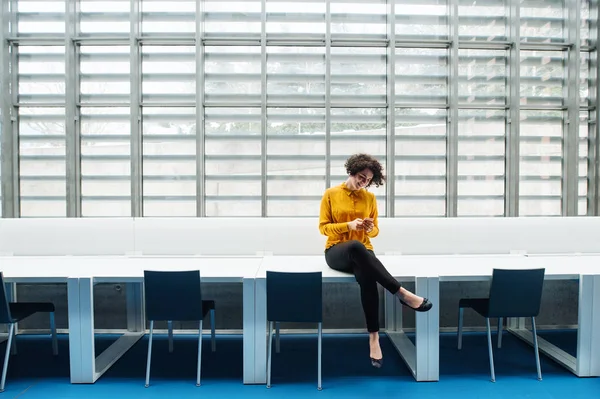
x=587, y=21
x=168, y=74
x=358, y=130
x=42, y=170
x=584, y=76
x=482, y=20
x=104, y=74
x=295, y=161
x=233, y=162
x=232, y=75
x=481, y=159
x=540, y=169
x=543, y=21
x=362, y=19
x=285, y=18
x=104, y=16
x=358, y=76
x=482, y=77
x=174, y=17
x=169, y=161
x=41, y=72
x=542, y=78
x=421, y=19
x=421, y=76
x=232, y=18
x=40, y=17
x=582, y=186
x=296, y=75
x=105, y=162
x=420, y=164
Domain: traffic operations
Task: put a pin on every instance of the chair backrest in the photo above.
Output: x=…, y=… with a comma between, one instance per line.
x=516, y=293
x=5, y=316
x=295, y=297
x=173, y=295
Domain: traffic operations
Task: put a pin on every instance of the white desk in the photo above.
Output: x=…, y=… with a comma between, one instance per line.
x=422, y=357
x=82, y=272
x=426, y=322
x=585, y=269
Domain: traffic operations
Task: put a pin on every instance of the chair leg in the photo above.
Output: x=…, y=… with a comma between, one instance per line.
x=269, y=350
x=13, y=347
x=199, y=355
x=489, y=337
x=319, y=387
x=149, y=354
x=500, y=329
x=277, y=345
x=11, y=333
x=213, y=341
x=460, y=327
x=170, y=328
x=54, y=338
x=537, y=349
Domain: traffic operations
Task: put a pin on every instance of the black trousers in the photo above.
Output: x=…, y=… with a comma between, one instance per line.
x=353, y=257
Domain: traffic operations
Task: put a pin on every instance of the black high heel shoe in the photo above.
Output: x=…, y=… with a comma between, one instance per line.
x=377, y=363
x=424, y=307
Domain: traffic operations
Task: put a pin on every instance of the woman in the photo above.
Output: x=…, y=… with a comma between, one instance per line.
x=348, y=218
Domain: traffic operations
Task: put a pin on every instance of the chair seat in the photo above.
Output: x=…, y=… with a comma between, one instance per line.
x=480, y=305
x=207, y=306
x=22, y=310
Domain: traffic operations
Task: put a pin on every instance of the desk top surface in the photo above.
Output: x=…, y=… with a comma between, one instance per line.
x=448, y=268
x=123, y=268
x=405, y=268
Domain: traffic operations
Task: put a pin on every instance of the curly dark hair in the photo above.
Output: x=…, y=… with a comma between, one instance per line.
x=359, y=162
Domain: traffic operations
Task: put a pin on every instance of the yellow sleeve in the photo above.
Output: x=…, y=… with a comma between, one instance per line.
x=326, y=225
x=374, y=214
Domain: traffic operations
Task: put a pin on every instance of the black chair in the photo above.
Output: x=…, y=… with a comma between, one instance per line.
x=13, y=312
x=176, y=295
x=294, y=297
x=513, y=293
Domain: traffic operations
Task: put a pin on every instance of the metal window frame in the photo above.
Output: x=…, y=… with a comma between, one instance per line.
x=513, y=126
x=135, y=64
x=72, y=110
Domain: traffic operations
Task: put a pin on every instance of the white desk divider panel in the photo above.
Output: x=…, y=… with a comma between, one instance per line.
x=66, y=236
x=293, y=236
x=447, y=236
x=199, y=236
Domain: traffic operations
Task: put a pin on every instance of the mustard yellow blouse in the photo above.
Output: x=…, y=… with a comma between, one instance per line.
x=341, y=205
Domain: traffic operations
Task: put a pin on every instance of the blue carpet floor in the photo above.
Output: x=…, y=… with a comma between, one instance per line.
x=347, y=372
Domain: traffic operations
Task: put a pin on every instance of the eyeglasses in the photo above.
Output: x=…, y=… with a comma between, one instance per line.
x=363, y=177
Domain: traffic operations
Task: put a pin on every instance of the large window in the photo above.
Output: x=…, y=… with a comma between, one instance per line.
x=296, y=151
x=232, y=162
x=250, y=108
x=105, y=131
x=42, y=137
x=420, y=162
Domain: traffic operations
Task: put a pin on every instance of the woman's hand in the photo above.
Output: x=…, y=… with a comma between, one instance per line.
x=368, y=225
x=356, y=224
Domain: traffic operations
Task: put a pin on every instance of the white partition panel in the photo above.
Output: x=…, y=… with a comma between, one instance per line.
x=437, y=236
x=199, y=236
x=66, y=236
x=293, y=236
